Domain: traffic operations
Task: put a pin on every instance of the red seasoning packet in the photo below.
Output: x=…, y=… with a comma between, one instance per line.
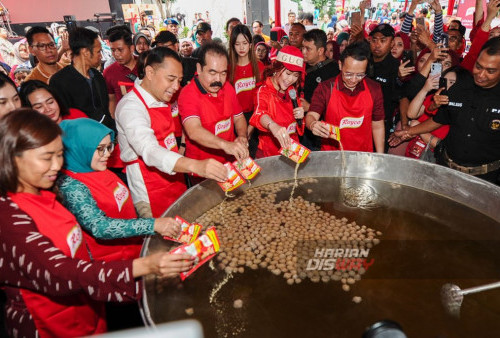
x=234, y=179
x=334, y=131
x=202, y=249
x=247, y=168
x=189, y=232
x=296, y=152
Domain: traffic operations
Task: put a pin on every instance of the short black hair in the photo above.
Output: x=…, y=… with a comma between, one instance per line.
x=492, y=46
x=306, y=16
x=36, y=30
x=231, y=20
x=318, y=36
x=359, y=51
x=115, y=28
x=424, y=11
x=154, y=56
x=298, y=24
x=121, y=34
x=260, y=23
x=213, y=48
x=80, y=38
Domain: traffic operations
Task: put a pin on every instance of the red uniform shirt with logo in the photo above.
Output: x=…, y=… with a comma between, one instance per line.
x=216, y=114
x=279, y=108
x=246, y=86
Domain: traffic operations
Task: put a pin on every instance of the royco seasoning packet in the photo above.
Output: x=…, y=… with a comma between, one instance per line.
x=234, y=179
x=189, y=232
x=202, y=249
x=247, y=168
x=296, y=152
x=334, y=131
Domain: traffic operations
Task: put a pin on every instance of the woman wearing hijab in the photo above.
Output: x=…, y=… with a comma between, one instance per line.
x=141, y=43
x=99, y=199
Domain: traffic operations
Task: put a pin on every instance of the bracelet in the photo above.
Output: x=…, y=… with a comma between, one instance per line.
x=267, y=127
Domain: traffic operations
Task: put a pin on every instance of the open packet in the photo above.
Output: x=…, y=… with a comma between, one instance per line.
x=247, y=168
x=333, y=130
x=202, y=249
x=189, y=232
x=234, y=179
x=296, y=152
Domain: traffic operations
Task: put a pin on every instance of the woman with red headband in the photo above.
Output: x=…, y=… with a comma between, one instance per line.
x=275, y=115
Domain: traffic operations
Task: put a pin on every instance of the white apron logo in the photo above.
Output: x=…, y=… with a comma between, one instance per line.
x=170, y=141
x=222, y=126
x=74, y=239
x=292, y=128
x=121, y=195
x=243, y=85
x=174, y=107
x=351, y=122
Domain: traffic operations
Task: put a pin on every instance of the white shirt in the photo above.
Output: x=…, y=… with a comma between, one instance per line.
x=137, y=139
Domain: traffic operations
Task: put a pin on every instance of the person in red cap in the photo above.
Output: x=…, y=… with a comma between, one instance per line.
x=275, y=115
x=351, y=103
x=211, y=115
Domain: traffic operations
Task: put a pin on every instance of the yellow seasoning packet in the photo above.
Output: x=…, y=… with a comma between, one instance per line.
x=189, y=232
x=334, y=131
x=234, y=179
x=202, y=249
x=247, y=168
x=296, y=152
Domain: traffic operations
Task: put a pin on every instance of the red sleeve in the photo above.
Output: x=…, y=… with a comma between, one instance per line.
x=26, y=252
x=109, y=80
x=427, y=103
x=378, y=112
x=261, y=103
x=470, y=59
x=476, y=28
x=320, y=98
x=188, y=104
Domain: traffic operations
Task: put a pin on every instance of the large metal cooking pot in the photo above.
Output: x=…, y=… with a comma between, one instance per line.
x=423, y=209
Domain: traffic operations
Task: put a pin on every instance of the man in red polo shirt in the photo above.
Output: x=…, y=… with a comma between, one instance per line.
x=120, y=76
x=210, y=111
x=352, y=104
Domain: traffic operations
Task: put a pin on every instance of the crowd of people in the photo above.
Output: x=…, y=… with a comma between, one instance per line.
x=99, y=135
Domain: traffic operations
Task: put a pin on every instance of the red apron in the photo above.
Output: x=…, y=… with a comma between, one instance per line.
x=68, y=316
x=163, y=189
x=353, y=115
x=219, y=123
x=113, y=198
x=281, y=112
x=174, y=107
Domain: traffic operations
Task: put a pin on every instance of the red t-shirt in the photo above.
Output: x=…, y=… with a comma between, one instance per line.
x=245, y=85
x=118, y=73
x=216, y=114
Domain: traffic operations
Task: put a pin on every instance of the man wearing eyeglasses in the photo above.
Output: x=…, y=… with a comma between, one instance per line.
x=347, y=111
x=41, y=44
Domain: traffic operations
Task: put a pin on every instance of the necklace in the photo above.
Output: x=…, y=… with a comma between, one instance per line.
x=43, y=74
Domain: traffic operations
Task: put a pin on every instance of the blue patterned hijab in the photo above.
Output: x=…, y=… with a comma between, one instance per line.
x=81, y=138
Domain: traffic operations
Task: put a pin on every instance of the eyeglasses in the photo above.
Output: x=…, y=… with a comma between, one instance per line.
x=101, y=150
x=350, y=76
x=453, y=38
x=44, y=46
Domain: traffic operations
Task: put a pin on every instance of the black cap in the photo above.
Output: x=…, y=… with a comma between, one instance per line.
x=164, y=37
x=385, y=29
x=203, y=27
